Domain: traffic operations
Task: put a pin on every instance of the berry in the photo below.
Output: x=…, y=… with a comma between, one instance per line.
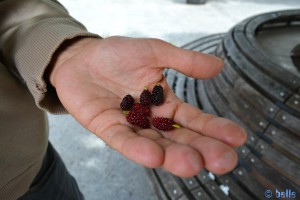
x=127, y=102
x=136, y=118
x=145, y=97
x=164, y=124
x=157, y=96
x=143, y=110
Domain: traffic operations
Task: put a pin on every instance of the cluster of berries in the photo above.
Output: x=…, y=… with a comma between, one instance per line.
x=138, y=113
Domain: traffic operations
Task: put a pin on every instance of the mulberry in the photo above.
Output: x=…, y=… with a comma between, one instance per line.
x=143, y=110
x=145, y=97
x=127, y=102
x=157, y=96
x=136, y=118
x=164, y=124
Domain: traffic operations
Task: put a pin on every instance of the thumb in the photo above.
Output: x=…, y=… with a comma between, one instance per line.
x=191, y=63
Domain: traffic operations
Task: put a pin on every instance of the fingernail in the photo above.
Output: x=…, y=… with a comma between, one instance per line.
x=220, y=60
x=229, y=159
x=195, y=161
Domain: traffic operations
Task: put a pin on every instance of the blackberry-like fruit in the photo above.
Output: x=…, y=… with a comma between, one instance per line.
x=144, y=110
x=127, y=102
x=157, y=97
x=145, y=97
x=164, y=124
x=137, y=119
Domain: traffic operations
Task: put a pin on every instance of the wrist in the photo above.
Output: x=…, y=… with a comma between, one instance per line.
x=66, y=51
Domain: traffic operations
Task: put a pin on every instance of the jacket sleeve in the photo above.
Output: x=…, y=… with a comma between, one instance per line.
x=30, y=33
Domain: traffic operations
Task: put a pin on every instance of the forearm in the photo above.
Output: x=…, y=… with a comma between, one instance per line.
x=31, y=32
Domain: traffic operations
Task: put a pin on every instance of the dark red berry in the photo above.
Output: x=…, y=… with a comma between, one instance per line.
x=164, y=124
x=145, y=97
x=127, y=102
x=136, y=118
x=157, y=96
x=144, y=110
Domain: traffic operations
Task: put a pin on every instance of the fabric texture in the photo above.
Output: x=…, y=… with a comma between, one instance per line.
x=53, y=181
x=31, y=31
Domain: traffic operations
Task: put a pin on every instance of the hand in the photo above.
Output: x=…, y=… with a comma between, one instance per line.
x=91, y=77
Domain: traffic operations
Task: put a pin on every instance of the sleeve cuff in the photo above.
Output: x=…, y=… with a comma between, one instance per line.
x=35, y=53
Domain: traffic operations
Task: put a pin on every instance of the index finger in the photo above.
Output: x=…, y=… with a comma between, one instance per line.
x=191, y=63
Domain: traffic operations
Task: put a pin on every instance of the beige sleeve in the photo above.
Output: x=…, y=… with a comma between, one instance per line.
x=30, y=33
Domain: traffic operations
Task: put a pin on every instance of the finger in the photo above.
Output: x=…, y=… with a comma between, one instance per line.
x=190, y=63
x=209, y=125
x=181, y=160
x=136, y=148
x=206, y=124
x=112, y=127
x=218, y=157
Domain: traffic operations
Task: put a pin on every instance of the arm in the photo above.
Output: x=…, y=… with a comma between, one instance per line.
x=31, y=32
x=91, y=75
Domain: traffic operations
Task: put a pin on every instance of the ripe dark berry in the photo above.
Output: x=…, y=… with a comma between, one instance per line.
x=136, y=118
x=144, y=110
x=127, y=102
x=157, y=96
x=164, y=124
x=145, y=97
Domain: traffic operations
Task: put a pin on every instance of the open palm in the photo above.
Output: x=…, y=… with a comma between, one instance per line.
x=94, y=75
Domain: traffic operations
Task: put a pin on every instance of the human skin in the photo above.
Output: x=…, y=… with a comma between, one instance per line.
x=92, y=75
